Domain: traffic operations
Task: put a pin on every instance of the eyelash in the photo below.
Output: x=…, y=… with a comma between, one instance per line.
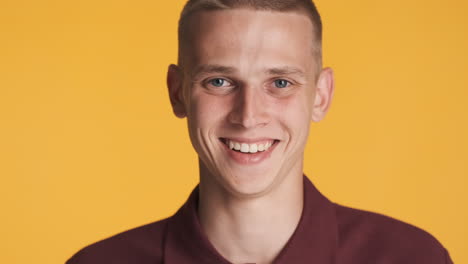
x=288, y=83
x=210, y=82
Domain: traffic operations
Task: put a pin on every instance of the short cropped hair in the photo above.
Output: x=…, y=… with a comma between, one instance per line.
x=305, y=7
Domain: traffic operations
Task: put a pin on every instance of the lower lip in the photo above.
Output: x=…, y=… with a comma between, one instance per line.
x=249, y=158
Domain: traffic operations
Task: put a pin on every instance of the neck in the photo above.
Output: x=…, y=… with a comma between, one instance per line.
x=250, y=229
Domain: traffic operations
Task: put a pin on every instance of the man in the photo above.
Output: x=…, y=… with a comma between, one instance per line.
x=249, y=81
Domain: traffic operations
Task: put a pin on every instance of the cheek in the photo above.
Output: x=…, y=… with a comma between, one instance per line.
x=207, y=110
x=295, y=111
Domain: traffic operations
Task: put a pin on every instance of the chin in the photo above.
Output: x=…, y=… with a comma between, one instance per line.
x=249, y=184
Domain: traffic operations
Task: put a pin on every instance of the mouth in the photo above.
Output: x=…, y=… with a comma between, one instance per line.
x=252, y=147
x=249, y=151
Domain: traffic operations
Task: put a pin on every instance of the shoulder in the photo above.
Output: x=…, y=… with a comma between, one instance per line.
x=376, y=238
x=143, y=244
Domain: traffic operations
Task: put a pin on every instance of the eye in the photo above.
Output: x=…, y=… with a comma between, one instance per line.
x=281, y=83
x=218, y=82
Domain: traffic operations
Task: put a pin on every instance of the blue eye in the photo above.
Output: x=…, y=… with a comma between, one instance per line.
x=280, y=83
x=218, y=82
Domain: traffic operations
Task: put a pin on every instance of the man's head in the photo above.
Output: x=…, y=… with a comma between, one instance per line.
x=249, y=84
x=304, y=7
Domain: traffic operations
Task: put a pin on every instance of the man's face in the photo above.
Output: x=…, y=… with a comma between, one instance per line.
x=248, y=93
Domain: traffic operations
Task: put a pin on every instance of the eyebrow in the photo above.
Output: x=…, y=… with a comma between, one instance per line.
x=286, y=70
x=216, y=68
x=213, y=68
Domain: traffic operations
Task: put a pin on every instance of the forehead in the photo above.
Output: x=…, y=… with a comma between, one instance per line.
x=243, y=37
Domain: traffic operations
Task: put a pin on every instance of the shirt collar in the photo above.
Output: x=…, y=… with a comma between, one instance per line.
x=315, y=238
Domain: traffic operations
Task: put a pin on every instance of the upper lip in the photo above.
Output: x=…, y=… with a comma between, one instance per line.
x=249, y=140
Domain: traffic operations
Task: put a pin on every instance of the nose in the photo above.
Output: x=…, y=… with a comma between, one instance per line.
x=250, y=109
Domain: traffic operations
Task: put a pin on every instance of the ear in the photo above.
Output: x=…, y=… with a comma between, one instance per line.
x=325, y=87
x=175, y=87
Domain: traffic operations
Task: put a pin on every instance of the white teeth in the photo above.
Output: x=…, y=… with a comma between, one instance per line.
x=244, y=148
x=237, y=146
x=253, y=148
x=248, y=148
x=261, y=147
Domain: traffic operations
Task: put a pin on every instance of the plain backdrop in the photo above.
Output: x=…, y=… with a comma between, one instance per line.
x=89, y=146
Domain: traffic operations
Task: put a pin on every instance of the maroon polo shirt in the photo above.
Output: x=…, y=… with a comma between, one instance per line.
x=327, y=233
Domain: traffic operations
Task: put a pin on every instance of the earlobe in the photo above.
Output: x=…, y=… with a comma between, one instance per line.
x=175, y=88
x=323, y=95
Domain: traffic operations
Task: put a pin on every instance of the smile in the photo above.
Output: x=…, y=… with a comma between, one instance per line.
x=246, y=147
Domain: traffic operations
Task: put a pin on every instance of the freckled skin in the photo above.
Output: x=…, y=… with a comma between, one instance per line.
x=247, y=102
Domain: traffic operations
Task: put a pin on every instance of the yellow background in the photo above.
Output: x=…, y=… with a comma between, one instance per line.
x=89, y=146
